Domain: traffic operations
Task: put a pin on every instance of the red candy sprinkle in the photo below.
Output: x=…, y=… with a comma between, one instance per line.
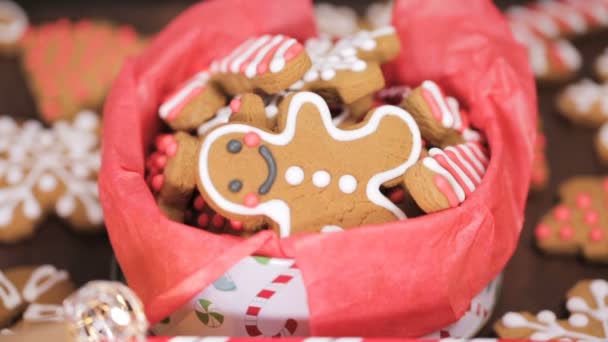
x=591, y=217
x=251, y=200
x=238, y=225
x=596, y=235
x=583, y=200
x=562, y=213
x=199, y=203
x=566, y=233
x=252, y=139
x=542, y=232
x=218, y=221
x=202, y=220
x=157, y=182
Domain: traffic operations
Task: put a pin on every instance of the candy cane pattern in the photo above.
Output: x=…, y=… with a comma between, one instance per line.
x=170, y=109
x=459, y=170
x=257, y=304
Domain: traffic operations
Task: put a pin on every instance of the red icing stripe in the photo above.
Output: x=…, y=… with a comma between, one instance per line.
x=293, y=51
x=178, y=108
x=430, y=100
x=263, y=66
x=253, y=310
x=282, y=279
x=442, y=160
x=452, y=155
x=446, y=189
x=252, y=330
x=265, y=294
x=468, y=159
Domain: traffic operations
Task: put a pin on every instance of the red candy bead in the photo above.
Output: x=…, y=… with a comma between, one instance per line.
x=542, y=232
x=566, y=233
x=251, y=200
x=218, y=221
x=583, y=201
x=591, y=217
x=596, y=235
x=562, y=213
x=252, y=139
x=199, y=203
x=157, y=182
x=202, y=220
x=237, y=225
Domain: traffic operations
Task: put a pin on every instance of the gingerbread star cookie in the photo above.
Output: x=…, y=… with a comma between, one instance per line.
x=587, y=302
x=70, y=65
x=578, y=223
x=49, y=170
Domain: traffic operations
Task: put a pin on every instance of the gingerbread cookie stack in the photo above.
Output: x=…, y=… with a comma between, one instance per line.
x=271, y=136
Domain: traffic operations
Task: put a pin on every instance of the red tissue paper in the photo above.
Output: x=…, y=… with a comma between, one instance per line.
x=401, y=279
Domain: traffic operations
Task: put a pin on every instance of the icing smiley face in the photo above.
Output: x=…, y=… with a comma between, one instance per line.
x=308, y=168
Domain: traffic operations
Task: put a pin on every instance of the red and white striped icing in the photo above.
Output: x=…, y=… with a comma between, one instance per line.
x=261, y=299
x=459, y=170
x=256, y=56
x=176, y=101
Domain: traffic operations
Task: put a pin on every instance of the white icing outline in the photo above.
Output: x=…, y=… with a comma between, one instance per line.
x=447, y=117
x=198, y=81
x=42, y=280
x=44, y=313
x=8, y=293
x=278, y=210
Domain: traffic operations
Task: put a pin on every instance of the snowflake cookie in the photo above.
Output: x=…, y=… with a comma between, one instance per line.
x=588, y=303
x=48, y=169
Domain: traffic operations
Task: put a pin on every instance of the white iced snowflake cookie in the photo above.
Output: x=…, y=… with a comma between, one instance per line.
x=587, y=302
x=44, y=170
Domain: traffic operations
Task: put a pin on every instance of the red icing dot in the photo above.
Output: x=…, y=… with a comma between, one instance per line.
x=238, y=225
x=562, y=213
x=160, y=161
x=591, y=217
x=596, y=235
x=199, y=203
x=202, y=220
x=566, y=233
x=235, y=104
x=171, y=149
x=397, y=195
x=163, y=140
x=218, y=220
x=583, y=200
x=542, y=231
x=252, y=139
x=157, y=182
x=251, y=200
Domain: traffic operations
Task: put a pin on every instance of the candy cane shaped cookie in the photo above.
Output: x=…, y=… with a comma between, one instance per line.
x=439, y=117
x=446, y=177
x=192, y=103
x=13, y=24
x=269, y=63
x=585, y=103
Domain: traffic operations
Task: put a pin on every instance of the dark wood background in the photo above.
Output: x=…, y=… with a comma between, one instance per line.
x=532, y=280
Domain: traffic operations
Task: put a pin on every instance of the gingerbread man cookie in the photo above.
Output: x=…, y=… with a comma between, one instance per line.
x=442, y=122
x=446, y=177
x=70, y=66
x=48, y=170
x=13, y=24
x=601, y=66
x=577, y=223
x=36, y=291
x=246, y=173
x=587, y=302
x=270, y=63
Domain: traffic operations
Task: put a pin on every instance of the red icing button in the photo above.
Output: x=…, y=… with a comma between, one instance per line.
x=252, y=139
x=171, y=148
x=591, y=217
x=562, y=213
x=596, y=235
x=238, y=225
x=252, y=200
x=162, y=141
x=218, y=221
x=542, y=232
x=583, y=200
x=157, y=182
x=202, y=220
x=235, y=104
x=199, y=203
x=566, y=233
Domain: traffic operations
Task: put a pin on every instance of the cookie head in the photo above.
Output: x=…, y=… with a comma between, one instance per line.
x=236, y=165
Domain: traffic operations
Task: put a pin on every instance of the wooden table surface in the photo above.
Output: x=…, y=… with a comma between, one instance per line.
x=532, y=280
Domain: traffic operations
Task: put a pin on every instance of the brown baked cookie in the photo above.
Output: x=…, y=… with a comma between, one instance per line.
x=70, y=65
x=270, y=63
x=578, y=223
x=193, y=103
x=540, y=166
x=49, y=170
x=246, y=173
x=601, y=143
x=20, y=287
x=349, y=70
x=13, y=25
x=587, y=302
x=172, y=172
x=446, y=177
x=585, y=103
x=601, y=66
x=442, y=122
